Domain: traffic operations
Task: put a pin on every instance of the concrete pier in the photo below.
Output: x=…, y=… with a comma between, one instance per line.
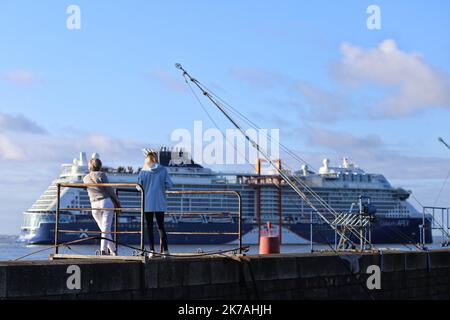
x=403, y=275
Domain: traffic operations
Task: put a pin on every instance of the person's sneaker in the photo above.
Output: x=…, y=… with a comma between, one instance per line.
x=151, y=254
x=166, y=254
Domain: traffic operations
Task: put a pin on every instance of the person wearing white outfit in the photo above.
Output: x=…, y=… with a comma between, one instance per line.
x=103, y=199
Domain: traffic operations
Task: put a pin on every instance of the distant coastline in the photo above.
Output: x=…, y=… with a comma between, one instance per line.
x=8, y=238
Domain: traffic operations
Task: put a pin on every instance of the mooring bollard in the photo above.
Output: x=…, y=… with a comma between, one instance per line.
x=269, y=243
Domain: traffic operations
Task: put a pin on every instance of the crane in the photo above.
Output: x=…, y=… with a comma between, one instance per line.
x=444, y=143
x=347, y=229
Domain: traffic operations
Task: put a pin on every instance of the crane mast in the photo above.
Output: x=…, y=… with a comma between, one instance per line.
x=444, y=143
x=340, y=224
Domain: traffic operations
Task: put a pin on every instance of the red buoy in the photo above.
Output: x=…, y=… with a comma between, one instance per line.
x=269, y=243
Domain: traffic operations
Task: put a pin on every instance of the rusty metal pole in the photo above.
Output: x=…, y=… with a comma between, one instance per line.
x=280, y=206
x=258, y=210
x=58, y=196
x=258, y=197
x=280, y=212
x=240, y=221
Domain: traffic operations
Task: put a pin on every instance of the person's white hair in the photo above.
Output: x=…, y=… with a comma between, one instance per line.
x=95, y=165
x=95, y=156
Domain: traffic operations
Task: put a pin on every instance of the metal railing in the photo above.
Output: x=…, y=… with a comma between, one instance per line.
x=438, y=220
x=206, y=192
x=135, y=188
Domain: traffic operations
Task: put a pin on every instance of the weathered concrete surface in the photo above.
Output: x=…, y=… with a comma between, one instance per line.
x=405, y=275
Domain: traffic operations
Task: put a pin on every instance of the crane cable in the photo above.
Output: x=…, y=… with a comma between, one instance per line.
x=442, y=189
x=358, y=281
x=225, y=105
x=280, y=172
x=253, y=125
x=441, y=140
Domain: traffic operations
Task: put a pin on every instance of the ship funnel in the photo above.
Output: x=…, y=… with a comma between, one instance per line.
x=325, y=168
x=305, y=170
x=83, y=159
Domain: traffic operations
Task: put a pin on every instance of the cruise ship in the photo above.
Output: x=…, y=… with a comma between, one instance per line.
x=194, y=218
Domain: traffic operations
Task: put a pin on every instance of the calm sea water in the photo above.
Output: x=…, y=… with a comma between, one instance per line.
x=10, y=250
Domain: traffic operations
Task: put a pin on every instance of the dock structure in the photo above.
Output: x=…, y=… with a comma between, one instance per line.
x=362, y=273
x=363, y=276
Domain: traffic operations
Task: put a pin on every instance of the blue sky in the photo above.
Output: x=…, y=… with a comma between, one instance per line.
x=286, y=65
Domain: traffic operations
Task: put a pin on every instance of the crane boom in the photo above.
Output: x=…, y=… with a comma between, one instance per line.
x=444, y=143
x=282, y=174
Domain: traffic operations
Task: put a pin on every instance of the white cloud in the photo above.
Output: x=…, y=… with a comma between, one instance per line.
x=323, y=105
x=342, y=141
x=374, y=155
x=22, y=140
x=19, y=123
x=115, y=149
x=29, y=161
x=8, y=150
x=21, y=76
x=314, y=103
x=416, y=84
x=45, y=150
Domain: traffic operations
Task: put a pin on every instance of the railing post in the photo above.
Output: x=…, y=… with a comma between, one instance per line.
x=448, y=224
x=335, y=237
x=360, y=224
x=258, y=209
x=422, y=239
x=442, y=225
x=142, y=219
x=58, y=196
x=240, y=221
x=311, y=232
x=116, y=225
